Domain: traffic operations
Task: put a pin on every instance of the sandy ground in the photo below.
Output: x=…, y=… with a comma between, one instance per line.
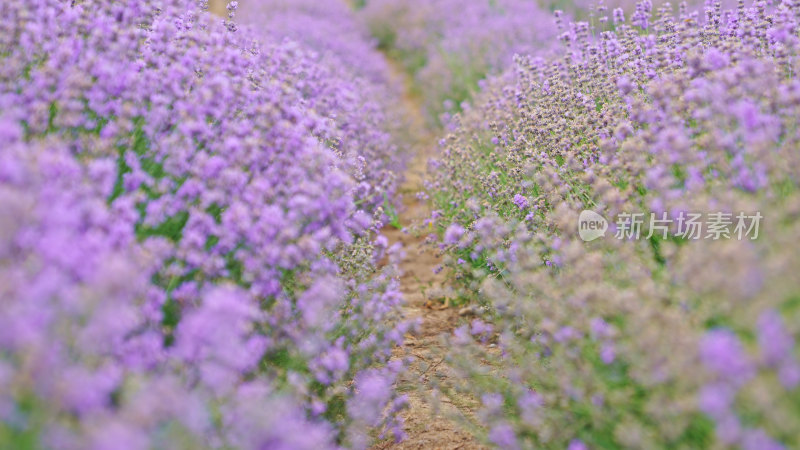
x=426, y=428
x=428, y=424
x=218, y=7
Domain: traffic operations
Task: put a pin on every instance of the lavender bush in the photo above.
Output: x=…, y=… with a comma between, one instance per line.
x=594, y=11
x=328, y=27
x=661, y=341
x=450, y=47
x=189, y=256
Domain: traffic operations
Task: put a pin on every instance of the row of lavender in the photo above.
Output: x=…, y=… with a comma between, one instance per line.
x=679, y=132
x=187, y=256
x=449, y=47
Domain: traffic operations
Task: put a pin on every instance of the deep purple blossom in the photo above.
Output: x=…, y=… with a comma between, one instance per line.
x=521, y=201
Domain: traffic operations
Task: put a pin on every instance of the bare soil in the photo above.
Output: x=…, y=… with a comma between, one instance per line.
x=429, y=419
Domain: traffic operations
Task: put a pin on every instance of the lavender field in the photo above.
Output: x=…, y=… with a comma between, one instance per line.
x=313, y=224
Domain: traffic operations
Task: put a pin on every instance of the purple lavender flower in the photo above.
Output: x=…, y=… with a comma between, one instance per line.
x=759, y=440
x=503, y=436
x=577, y=444
x=716, y=399
x=453, y=233
x=521, y=201
x=723, y=353
x=774, y=340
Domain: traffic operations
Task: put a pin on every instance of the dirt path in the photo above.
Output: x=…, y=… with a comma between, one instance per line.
x=218, y=7
x=427, y=423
